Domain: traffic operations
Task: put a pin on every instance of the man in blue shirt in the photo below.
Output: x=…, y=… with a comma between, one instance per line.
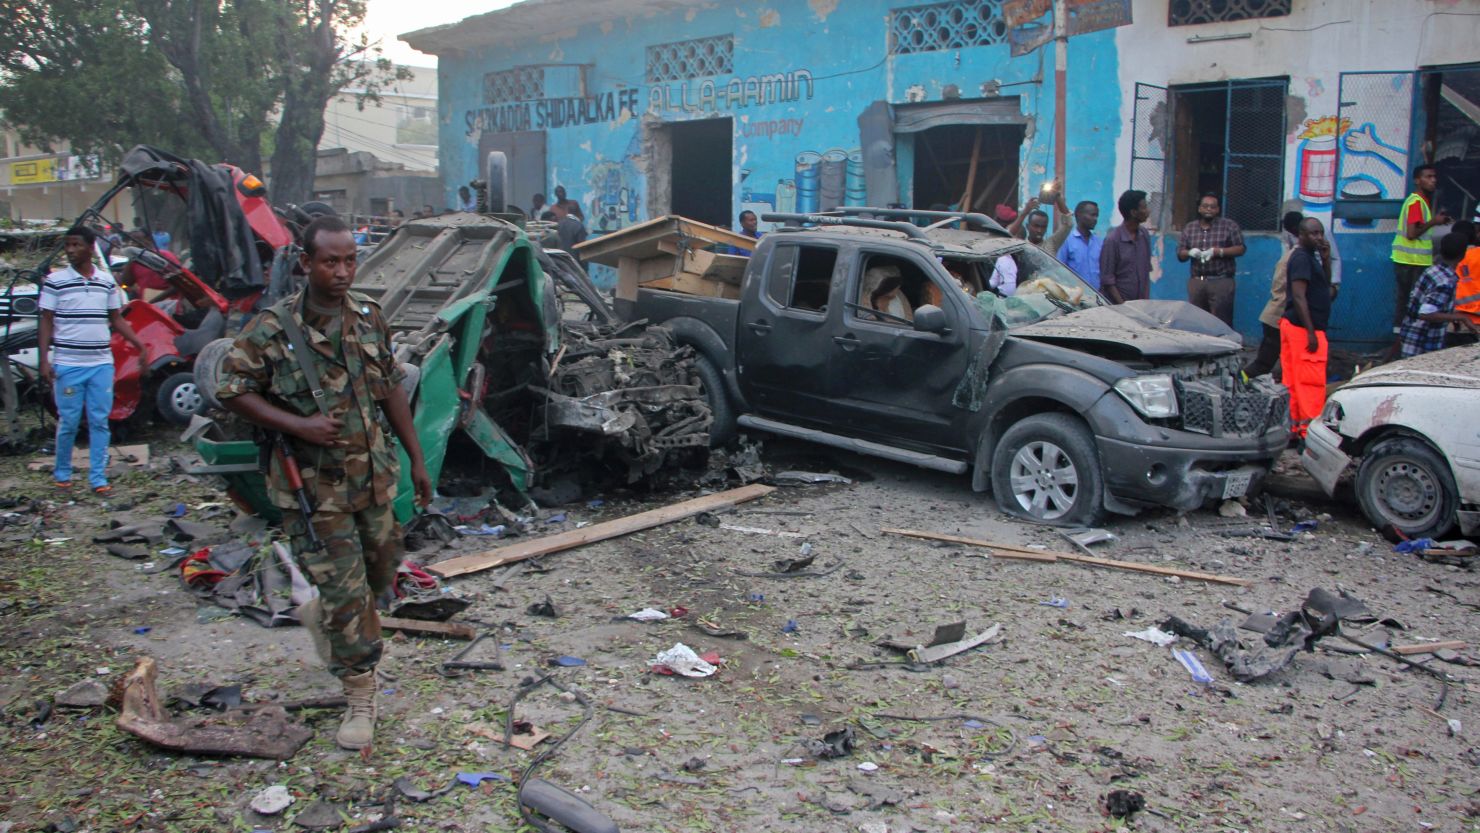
x=1081, y=249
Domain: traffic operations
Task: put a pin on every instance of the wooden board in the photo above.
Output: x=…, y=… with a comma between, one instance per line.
x=1429, y=647
x=642, y=240
x=465, y=564
x=1010, y=551
x=450, y=630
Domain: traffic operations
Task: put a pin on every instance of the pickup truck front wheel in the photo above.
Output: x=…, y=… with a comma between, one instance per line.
x=1045, y=469
x=722, y=431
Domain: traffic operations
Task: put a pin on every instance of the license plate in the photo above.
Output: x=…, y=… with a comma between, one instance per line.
x=1236, y=484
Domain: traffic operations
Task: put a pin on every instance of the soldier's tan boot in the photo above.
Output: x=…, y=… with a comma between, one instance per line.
x=311, y=616
x=357, y=731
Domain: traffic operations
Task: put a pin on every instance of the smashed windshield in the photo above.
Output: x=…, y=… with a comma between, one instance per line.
x=1027, y=285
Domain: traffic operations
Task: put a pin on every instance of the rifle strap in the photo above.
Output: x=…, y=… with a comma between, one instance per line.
x=299, y=345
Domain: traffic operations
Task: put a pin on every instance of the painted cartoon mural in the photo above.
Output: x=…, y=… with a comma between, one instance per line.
x=614, y=198
x=1315, y=165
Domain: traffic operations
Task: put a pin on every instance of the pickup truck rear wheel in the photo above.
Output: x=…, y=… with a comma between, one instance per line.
x=1046, y=469
x=722, y=431
x=1405, y=488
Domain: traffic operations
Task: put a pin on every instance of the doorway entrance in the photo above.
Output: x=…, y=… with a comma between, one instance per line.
x=943, y=165
x=700, y=173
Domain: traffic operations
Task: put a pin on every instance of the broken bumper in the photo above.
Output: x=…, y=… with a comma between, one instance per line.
x=1323, y=458
x=1180, y=478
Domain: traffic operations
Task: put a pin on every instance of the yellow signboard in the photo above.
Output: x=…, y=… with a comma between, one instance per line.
x=33, y=171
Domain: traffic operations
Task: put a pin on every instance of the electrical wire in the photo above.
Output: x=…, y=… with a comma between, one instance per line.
x=524, y=813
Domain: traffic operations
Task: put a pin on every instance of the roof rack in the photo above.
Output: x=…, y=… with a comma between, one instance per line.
x=909, y=214
x=909, y=230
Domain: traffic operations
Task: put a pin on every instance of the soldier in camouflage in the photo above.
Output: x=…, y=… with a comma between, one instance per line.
x=349, y=466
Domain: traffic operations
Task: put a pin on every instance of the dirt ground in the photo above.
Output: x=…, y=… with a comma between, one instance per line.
x=1027, y=733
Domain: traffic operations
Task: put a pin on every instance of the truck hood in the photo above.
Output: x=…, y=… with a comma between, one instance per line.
x=1457, y=367
x=1153, y=329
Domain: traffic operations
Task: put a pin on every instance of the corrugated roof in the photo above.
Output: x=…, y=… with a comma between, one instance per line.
x=533, y=19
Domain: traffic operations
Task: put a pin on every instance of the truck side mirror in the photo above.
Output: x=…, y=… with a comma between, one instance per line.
x=931, y=319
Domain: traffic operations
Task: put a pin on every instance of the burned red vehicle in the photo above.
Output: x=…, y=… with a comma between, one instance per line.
x=195, y=264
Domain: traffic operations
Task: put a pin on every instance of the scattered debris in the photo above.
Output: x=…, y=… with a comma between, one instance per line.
x=567, y=662
x=839, y=743
x=463, y=565
x=83, y=694
x=648, y=614
x=1193, y=665
x=681, y=659
x=562, y=806
x=807, y=478
x=320, y=815
x=447, y=630
x=463, y=660
x=755, y=530
x=272, y=800
x=522, y=734
x=1025, y=554
x=1154, y=635
x=1062, y=604
x=1429, y=647
x=1122, y=804
x=258, y=733
x=473, y=779
x=936, y=653
x=545, y=609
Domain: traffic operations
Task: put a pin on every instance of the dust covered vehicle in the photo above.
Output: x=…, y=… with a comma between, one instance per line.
x=881, y=334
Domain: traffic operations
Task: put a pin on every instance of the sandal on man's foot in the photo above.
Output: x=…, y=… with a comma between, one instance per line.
x=64, y=484
x=103, y=490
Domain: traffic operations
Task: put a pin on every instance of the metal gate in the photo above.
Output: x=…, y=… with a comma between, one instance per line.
x=1254, y=156
x=1150, y=122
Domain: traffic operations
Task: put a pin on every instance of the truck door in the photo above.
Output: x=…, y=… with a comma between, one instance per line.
x=784, y=338
x=892, y=383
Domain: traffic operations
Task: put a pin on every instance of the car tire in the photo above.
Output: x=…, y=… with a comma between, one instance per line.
x=178, y=398
x=712, y=384
x=208, y=371
x=1406, y=490
x=1046, y=469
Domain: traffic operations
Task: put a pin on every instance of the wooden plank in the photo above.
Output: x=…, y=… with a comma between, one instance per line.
x=1009, y=551
x=644, y=239
x=1429, y=647
x=628, y=270
x=462, y=565
x=451, y=630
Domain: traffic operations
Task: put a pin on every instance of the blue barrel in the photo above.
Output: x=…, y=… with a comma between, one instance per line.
x=808, y=163
x=856, y=188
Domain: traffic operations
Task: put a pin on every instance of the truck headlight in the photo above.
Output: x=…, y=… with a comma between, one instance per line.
x=1153, y=394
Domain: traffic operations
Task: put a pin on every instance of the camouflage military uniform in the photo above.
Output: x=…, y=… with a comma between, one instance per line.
x=351, y=487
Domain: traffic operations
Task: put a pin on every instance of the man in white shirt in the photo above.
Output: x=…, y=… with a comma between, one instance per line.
x=80, y=310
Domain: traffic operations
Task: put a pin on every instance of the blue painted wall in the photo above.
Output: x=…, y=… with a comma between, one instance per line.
x=834, y=63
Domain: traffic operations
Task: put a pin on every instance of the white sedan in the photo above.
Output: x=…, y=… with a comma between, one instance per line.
x=1414, y=427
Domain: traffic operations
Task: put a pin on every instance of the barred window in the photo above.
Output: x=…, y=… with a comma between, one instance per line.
x=1190, y=12
x=944, y=26
x=517, y=84
x=686, y=59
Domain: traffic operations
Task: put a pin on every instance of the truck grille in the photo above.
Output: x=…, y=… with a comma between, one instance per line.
x=1226, y=407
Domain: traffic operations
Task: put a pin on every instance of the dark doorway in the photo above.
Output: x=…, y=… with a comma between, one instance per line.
x=526, y=164
x=701, y=170
x=943, y=165
x=1230, y=141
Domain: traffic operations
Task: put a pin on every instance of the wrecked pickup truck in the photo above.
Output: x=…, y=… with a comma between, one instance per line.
x=504, y=388
x=1408, y=422
x=877, y=334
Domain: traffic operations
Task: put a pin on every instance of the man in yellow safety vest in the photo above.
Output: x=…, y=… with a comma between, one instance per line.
x=1413, y=245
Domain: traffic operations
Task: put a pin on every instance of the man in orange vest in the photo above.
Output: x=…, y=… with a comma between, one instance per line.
x=1467, y=291
x=1413, y=245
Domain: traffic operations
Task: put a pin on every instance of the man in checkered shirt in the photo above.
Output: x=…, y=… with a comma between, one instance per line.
x=1211, y=242
x=1431, y=303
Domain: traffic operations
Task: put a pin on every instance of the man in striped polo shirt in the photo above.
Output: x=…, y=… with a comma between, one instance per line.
x=79, y=310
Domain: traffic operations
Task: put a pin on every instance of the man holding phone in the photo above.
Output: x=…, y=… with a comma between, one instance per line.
x=1034, y=220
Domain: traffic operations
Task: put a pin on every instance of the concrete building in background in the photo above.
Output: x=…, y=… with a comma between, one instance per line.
x=41, y=187
x=383, y=156
x=645, y=107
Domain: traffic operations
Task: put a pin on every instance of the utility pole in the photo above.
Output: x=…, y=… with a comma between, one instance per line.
x=1060, y=91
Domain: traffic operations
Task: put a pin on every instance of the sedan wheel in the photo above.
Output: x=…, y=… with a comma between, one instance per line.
x=1405, y=489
